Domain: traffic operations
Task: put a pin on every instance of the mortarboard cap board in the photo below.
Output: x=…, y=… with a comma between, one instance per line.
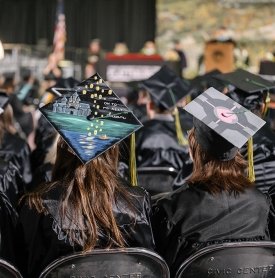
x=91, y=118
x=245, y=81
x=249, y=88
x=4, y=100
x=221, y=125
x=166, y=88
x=62, y=83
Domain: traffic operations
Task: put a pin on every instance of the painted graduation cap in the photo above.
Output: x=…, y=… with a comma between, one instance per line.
x=91, y=119
x=4, y=100
x=222, y=126
x=166, y=88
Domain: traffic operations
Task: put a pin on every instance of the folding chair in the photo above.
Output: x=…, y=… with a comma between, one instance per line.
x=112, y=263
x=8, y=271
x=254, y=259
x=156, y=179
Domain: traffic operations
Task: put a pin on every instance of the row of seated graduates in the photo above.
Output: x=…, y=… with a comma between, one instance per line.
x=45, y=138
x=157, y=145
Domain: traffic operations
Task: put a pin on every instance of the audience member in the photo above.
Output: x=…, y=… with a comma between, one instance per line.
x=85, y=206
x=95, y=54
x=251, y=91
x=158, y=142
x=218, y=202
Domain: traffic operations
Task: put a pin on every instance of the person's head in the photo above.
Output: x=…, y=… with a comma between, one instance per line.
x=249, y=90
x=95, y=46
x=68, y=165
x=6, y=122
x=221, y=127
x=86, y=165
x=214, y=174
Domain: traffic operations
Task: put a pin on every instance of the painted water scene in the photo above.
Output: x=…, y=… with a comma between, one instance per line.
x=91, y=120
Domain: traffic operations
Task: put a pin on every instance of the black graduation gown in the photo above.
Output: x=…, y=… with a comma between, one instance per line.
x=190, y=218
x=24, y=119
x=16, y=150
x=264, y=158
x=8, y=220
x=42, y=239
x=45, y=135
x=11, y=183
x=157, y=145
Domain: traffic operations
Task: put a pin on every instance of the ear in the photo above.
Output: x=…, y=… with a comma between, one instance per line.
x=150, y=108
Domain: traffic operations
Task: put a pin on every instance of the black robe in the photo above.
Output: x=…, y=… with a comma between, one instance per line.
x=264, y=158
x=190, y=218
x=16, y=150
x=11, y=183
x=8, y=220
x=157, y=145
x=42, y=238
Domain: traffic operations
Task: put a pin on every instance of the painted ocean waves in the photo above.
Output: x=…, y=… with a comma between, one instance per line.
x=89, y=138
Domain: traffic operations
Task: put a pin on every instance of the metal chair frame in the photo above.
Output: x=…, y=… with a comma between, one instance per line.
x=132, y=251
x=222, y=246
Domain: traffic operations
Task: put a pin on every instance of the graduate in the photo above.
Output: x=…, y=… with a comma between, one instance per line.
x=13, y=149
x=218, y=203
x=86, y=205
x=252, y=91
x=161, y=142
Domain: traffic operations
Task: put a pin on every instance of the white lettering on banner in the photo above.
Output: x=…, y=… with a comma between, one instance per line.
x=126, y=73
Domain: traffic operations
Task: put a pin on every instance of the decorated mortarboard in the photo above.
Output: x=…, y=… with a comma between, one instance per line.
x=166, y=88
x=4, y=100
x=91, y=119
x=222, y=126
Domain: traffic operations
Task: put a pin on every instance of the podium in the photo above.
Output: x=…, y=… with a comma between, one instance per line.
x=219, y=55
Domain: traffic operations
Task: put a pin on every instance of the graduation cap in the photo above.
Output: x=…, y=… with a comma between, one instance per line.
x=56, y=90
x=91, y=119
x=62, y=83
x=249, y=88
x=4, y=100
x=202, y=82
x=166, y=88
x=221, y=125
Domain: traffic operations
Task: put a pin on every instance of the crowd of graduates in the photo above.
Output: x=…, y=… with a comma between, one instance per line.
x=63, y=192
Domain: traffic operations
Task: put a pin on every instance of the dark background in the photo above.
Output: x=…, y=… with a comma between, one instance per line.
x=29, y=21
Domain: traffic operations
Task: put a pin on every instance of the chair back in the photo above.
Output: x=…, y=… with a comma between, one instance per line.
x=156, y=179
x=8, y=271
x=112, y=263
x=231, y=260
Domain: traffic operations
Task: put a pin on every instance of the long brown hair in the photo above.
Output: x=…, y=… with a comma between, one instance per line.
x=6, y=122
x=215, y=175
x=89, y=195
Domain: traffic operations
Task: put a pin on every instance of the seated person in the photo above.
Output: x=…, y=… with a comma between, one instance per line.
x=218, y=202
x=251, y=91
x=86, y=205
x=8, y=221
x=159, y=142
x=12, y=147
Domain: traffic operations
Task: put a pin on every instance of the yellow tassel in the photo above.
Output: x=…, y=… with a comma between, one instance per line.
x=251, y=173
x=133, y=169
x=188, y=99
x=181, y=139
x=267, y=101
